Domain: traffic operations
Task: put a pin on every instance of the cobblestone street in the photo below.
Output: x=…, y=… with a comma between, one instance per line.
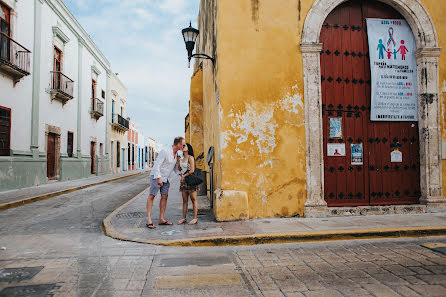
x=56, y=248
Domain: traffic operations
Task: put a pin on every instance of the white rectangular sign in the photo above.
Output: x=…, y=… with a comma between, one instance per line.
x=393, y=70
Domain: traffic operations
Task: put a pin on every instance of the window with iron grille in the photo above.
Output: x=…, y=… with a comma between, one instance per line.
x=70, y=144
x=118, y=154
x=5, y=131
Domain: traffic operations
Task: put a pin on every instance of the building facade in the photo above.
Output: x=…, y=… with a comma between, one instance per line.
x=118, y=126
x=54, y=82
x=132, y=140
x=153, y=147
x=285, y=73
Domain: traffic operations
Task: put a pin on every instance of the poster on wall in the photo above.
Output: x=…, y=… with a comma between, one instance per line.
x=336, y=149
x=357, y=156
x=335, y=127
x=393, y=69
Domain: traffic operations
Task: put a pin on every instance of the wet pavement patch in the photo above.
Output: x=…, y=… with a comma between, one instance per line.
x=187, y=260
x=436, y=247
x=15, y=275
x=34, y=291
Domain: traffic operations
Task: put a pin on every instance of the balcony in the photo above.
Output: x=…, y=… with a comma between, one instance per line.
x=61, y=87
x=14, y=58
x=120, y=123
x=97, y=108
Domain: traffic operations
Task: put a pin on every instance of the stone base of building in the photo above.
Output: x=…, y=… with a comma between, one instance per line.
x=20, y=171
x=376, y=210
x=316, y=210
x=76, y=168
x=231, y=205
x=433, y=202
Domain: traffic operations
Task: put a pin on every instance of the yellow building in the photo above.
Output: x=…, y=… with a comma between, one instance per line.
x=285, y=73
x=118, y=126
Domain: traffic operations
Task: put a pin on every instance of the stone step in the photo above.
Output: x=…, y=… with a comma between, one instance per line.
x=376, y=210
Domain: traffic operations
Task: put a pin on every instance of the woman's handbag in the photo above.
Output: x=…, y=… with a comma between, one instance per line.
x=195, y=178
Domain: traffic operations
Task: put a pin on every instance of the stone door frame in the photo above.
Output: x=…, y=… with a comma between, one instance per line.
x=427, y=55
x=56, y=131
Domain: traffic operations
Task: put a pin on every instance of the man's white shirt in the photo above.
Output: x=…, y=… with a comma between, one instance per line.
x=164, y=164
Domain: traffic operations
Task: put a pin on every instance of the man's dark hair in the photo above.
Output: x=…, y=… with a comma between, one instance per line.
x=190, y=150
x=177, y=140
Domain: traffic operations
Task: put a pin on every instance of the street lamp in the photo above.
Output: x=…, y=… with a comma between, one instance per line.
x=190, y=36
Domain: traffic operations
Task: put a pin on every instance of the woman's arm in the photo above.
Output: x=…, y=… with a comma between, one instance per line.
x=192, y=164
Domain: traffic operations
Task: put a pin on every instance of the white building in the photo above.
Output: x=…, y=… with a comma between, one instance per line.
x=54, y=82
x=153, y=147
x=118, y=126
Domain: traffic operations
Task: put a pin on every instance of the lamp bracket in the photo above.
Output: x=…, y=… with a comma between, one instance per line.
x=203, y=56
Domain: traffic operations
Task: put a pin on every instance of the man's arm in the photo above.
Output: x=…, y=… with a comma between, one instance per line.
x=156, y=165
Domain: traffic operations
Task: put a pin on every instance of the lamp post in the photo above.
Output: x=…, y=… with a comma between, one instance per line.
x=190, y=35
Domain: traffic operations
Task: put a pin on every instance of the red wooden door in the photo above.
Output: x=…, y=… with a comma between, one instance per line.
x=51, y=156
x=346, y=90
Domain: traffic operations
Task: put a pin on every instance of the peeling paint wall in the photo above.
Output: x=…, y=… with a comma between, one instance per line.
x=196, y=118
x=261, y=105
x=253, y=103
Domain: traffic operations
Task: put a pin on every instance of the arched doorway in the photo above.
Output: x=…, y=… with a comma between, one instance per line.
x=371, y=178
x=427, y=55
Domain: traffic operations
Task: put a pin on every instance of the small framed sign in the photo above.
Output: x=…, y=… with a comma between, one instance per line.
x=357, y=155
x=396, y=156
x=336, y=149
x=335, y=127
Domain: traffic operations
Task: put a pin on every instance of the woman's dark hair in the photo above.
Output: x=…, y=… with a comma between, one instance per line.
x=190, y=150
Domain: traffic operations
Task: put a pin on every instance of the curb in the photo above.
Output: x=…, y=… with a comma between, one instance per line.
x=29, y=200
x=270, y=238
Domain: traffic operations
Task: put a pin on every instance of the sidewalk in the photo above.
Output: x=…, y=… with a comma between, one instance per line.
x=128, y=222
x=14, y=198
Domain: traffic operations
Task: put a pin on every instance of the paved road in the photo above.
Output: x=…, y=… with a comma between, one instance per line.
x=56, y=248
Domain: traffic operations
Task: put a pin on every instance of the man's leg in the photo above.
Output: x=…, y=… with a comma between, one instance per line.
x=149, y=208
x=163, y=205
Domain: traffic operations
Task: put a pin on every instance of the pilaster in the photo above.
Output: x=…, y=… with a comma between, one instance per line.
x=37, y=46
x=79, y=98
x=430, y=127
x=315, y=205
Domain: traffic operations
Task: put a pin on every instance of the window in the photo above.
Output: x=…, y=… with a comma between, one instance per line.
x=93, y=88
x=103, y=94
x=4, y=28
x=122, y=111
x=5, y=131
x=57, y=68
x=70, y=144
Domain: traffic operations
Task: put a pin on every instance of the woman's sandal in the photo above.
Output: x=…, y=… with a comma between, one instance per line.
x=182, y=221
x=193, y=222
x=150, y=226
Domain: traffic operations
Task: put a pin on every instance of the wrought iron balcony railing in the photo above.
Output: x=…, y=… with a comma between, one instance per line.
x=120, y=122
x=14, y=58
x=97, y=107
x=61, y=86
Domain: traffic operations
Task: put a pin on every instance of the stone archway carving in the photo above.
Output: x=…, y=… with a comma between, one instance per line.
x=427, y=55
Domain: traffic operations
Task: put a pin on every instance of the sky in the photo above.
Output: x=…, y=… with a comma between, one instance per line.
x=143, y=42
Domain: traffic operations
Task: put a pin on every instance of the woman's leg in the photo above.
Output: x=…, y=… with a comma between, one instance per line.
x=193, y=198
x=185, y=198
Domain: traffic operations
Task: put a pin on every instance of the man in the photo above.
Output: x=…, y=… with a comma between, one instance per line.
x=159, y=179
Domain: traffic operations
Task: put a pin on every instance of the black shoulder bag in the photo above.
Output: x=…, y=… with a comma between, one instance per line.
x=195, y=178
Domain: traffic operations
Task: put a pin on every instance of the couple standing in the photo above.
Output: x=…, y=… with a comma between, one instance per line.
x=169, y=160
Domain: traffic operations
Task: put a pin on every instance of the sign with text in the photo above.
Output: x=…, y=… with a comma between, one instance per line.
x=393, y=71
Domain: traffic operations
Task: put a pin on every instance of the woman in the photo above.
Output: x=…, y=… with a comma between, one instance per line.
x=187, y=166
